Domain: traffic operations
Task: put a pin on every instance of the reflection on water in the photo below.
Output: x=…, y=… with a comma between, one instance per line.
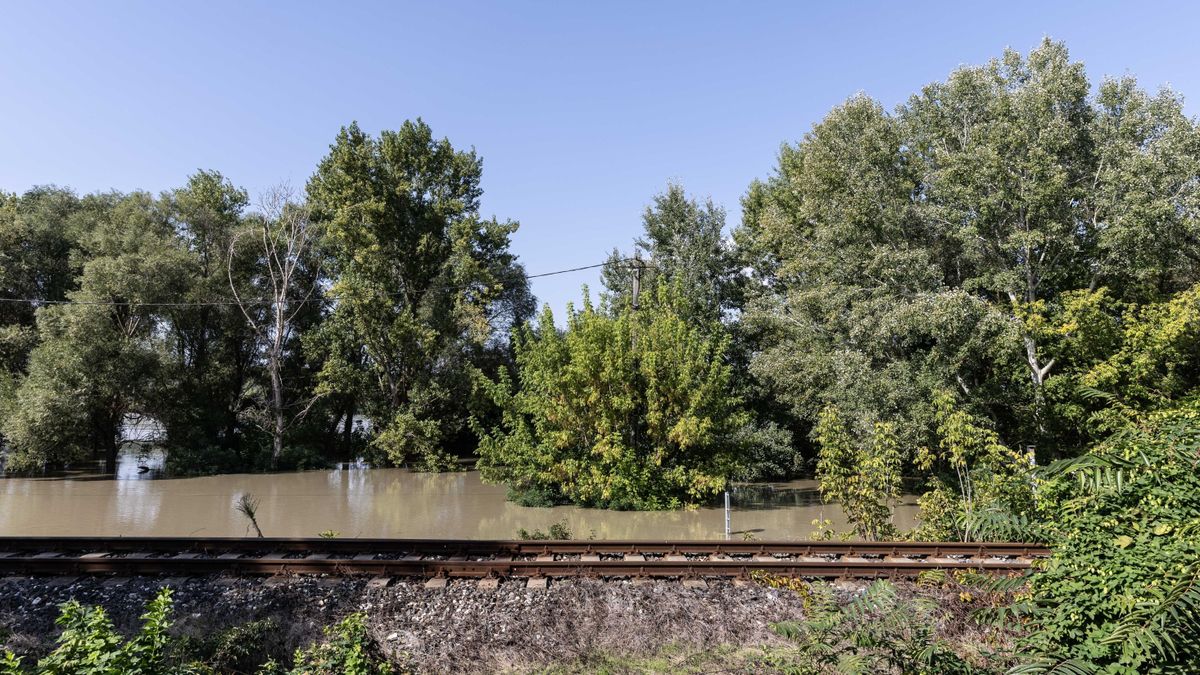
x=361, y=502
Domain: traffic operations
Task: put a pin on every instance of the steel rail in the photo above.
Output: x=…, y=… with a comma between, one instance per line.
x=500, y=558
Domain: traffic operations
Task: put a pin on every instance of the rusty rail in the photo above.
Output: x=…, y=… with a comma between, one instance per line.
x=500, y=558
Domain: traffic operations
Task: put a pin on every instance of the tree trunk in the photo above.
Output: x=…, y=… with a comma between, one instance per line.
x=348, y=429
x=111, y=450
x=277, y=413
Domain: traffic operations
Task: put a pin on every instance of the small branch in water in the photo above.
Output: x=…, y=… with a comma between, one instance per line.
x=247, y=505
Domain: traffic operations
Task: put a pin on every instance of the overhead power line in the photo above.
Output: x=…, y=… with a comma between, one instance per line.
x=227, y=302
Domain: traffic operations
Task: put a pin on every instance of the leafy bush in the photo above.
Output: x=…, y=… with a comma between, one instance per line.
x=877, y=632
x=89, y=645
x=349, y=650
x=1121, y=592
x=558, y=531
x=980, y=487
x=10, y=664
x=239, y=649
x=624, y=409
x=862, y=479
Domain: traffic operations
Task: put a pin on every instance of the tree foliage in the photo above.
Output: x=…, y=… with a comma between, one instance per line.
x=683, y=242
x=1121, y=592
x=948, y=246
x=863, y=479
x=624, y=408
x=96, y=360
x=420, y=282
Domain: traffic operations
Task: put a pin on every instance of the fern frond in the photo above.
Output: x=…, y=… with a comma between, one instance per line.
x=1094, y=394
x=1006, y=584
x=1004, y=615
x=788, y=629
x=1152, y=627
x=1000, y=525
x=1051, y=666
x=878, y=595
x=853, y=664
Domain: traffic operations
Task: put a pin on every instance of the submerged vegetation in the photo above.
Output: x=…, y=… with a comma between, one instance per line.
x=992, y=291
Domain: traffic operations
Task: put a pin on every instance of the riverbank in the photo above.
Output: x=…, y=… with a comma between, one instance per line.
x=571, y=626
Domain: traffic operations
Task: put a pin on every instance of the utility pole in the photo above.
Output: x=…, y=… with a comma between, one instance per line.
x=637, y=277
x=728, y=511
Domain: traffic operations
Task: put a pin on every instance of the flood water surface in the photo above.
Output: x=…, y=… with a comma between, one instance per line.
x=362, y=502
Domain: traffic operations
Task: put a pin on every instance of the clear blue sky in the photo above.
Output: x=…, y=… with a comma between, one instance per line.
x=581, y=110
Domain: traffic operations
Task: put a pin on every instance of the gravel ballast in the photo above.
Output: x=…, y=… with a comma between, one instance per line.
x=459, y=628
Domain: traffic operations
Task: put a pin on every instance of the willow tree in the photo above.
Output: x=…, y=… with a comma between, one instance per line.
x=98, y=360
x=420, y=281
x=39, y=230
x=631, y=408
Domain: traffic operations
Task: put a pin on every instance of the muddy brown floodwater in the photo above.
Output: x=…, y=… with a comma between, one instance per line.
x=363, y=502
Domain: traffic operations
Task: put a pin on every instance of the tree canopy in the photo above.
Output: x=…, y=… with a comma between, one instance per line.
x=953, y=243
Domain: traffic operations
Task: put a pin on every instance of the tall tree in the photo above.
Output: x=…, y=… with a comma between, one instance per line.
x=97, y=361
x=419, y=279
x=682, y=242
x=946, y=246
x=285, y=274
x=213, y=356
x=39, y=232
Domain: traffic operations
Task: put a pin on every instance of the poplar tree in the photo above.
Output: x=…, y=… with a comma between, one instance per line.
x=950, y=245
x=419, y=280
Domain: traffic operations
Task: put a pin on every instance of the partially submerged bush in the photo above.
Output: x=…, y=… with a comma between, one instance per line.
x=558, y=531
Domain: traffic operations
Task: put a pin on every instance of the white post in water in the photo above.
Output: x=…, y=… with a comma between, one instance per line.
x=727, y=509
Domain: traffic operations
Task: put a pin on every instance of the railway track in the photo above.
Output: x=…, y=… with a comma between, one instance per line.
x=444, y=558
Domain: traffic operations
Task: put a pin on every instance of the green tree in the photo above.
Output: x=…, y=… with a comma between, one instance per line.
x=39, y=232
x=949, y=245
x=211, y=351
x=624, y=409
x=97, y=362
x=683, y=245
x=977, y=481
x=683, y=242
x=862, y=479
x=420, y=280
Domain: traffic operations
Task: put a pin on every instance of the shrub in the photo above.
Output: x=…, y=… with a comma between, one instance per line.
x=89, y=645
x=862, y=479
x=625, y=409
x=348, y=650
x=1121, y=592
x=558, y=531
x=877, y=632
